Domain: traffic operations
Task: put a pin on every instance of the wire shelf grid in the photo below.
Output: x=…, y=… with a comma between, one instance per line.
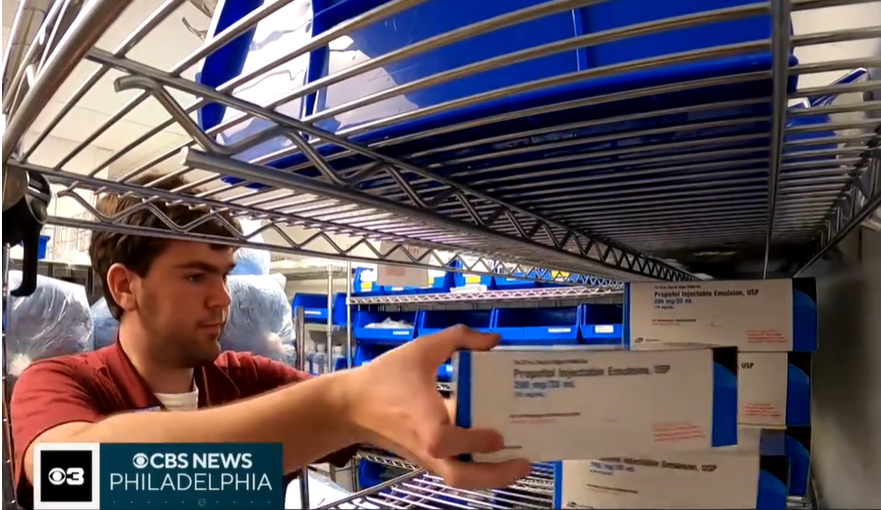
x=682, y=196
x=627, y=211
x=420, y=489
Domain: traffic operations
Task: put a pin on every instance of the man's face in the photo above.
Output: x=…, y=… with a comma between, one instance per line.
x=183, y=302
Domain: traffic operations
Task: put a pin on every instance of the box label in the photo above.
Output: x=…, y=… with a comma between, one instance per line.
x=705, y=479
x=763, y=379
x=402, y=276
x=548, y=404
x=750, y=315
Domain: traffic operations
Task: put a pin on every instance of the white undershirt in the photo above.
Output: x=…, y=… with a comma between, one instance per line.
x=180, y=401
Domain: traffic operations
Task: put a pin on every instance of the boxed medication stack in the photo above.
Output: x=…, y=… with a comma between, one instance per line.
x=773, y=325
x=735, y=477
x=570, y=402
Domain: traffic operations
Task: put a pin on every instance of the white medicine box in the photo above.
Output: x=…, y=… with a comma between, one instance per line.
x=734, y=477
x=774, y=389
x=562, y=403
x=754, y=316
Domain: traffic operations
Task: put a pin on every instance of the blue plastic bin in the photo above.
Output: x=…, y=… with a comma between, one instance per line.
x=383, y=336
x=462, y=280
x=339, y=309
x=366, y=353
x=435, y=17
x=601, y=324
x=315, y=307
x=363, y=288
x=537, y=326
x=432, y=321
x=513, y=283
x=42, y=245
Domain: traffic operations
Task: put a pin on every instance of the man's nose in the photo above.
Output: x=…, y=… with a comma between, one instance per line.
x=219, y=295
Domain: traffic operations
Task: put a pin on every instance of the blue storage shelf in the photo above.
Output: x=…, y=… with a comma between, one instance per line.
x=433, y=321
x=383, y=336
x=602, y=324
x=537, y=326
x=388, y=35
x=315, y=307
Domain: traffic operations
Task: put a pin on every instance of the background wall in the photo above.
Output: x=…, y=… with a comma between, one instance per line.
x=846, y=444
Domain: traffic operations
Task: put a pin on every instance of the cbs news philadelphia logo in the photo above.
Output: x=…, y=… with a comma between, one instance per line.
x=66, y=476
x=140, y=476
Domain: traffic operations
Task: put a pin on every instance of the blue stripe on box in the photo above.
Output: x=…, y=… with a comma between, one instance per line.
x=773, y=483
x=558, y=485
x=724, y=431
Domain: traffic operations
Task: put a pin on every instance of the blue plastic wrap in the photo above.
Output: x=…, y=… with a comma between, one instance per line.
x=259, y=319
x=53, y=321
x=105, y=326
x=250, y=261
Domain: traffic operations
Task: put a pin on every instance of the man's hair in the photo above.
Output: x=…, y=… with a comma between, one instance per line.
x=137, y=252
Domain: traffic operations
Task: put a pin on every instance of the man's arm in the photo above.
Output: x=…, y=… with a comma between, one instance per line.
x=314, y=409
x=272, y=375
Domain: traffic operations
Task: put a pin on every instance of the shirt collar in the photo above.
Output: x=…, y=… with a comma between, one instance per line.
x=215, y=386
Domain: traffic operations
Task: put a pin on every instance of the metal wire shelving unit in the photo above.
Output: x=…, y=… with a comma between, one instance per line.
x=420, y=489
x=598, y=228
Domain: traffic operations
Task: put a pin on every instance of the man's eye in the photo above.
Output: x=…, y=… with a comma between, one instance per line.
x=196, y=278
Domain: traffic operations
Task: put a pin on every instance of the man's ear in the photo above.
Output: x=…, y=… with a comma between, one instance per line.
x=120, y=282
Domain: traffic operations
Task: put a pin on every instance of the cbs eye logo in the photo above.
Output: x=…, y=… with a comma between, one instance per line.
x=65, y=476
x=69, y=476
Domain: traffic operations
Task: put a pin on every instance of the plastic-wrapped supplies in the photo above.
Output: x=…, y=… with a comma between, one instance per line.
x=259, y=318
x=53, y=321
x=250, y=261
x=105, y=326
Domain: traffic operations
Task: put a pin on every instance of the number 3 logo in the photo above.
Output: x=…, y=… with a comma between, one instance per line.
x=71, y=476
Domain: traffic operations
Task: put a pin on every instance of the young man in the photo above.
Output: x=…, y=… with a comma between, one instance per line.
x=171, y=300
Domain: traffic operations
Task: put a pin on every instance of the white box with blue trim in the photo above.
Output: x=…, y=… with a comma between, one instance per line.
x=774, y=389
x=560, y=403
x=733, y=477
x=754, y=316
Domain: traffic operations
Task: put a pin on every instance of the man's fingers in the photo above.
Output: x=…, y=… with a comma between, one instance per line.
x=483, y=475
x=443, y=344
x=451, y=441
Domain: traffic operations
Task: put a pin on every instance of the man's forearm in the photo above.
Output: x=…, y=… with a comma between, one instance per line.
x=308, y=418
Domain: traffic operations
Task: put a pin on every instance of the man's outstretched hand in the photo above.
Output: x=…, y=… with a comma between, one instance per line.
x=397, y=407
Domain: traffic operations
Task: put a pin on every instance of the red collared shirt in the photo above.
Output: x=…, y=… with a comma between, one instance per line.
x=89, y=387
